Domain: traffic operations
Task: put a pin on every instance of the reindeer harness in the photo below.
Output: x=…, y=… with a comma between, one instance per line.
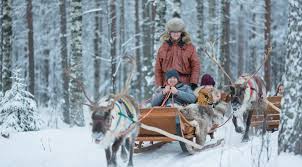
x=122, y=115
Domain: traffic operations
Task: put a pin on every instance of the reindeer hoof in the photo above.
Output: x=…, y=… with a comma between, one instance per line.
x=239, y=130
x=245, y=139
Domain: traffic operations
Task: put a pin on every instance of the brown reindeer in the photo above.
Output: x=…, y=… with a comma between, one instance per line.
x=115, y=122
x=246, y=95
x=114, y=126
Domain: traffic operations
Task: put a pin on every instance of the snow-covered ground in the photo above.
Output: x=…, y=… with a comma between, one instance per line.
x=73, y=147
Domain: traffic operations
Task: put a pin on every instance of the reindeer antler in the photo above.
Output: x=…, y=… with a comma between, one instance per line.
x=80, y=83
x=216, y=62
x=266, y=56
x=125, y=90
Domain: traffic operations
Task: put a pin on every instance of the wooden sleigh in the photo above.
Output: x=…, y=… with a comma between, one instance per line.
x=168, y=119
x=272, y=118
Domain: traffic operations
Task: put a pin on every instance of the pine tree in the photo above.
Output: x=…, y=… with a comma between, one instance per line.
x=290, y=138
x=76, y=96
x=18, y=108
x=7, y=45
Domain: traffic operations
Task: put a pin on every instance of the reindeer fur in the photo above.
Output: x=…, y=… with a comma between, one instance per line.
x=201, y=117
x=109, y=138
x=247, y=97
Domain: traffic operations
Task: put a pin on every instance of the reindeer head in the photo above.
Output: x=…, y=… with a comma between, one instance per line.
x=101, y=118
x=234, y=94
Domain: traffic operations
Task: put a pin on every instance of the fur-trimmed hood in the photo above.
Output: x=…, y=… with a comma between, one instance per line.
x=185, y=38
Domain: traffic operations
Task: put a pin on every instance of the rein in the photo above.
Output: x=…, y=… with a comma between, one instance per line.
x=133, y=122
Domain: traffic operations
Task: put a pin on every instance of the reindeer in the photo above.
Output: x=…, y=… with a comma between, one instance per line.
x=246, y=95
x=115, y=122
x=114, y=126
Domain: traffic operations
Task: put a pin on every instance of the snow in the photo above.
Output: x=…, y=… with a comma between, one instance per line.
x=74, y=147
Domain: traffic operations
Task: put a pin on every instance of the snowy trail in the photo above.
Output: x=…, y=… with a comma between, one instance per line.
x=73, y=147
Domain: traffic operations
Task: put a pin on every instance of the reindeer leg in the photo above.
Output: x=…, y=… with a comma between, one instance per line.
x=124, y=150
x=237, y=128
x=248, y=124
x=130, y=145
x=116, y=145
x=130, y=148
x=108, y=156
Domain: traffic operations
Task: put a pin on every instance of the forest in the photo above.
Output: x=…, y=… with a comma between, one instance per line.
x=52, y=50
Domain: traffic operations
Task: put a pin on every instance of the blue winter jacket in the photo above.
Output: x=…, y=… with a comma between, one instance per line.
x=183, y=96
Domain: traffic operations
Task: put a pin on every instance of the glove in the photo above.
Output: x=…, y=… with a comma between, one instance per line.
x=193, y=86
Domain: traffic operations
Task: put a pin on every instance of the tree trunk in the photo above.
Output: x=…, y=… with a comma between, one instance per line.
x=1, y=43
x=212, y=20
x=64, y=59
x=147, y=49
x=267, y=45
x=46, y=70
x=31, y=58
x=97, y=52
x=123, y=70
x=7, y=45
x=225, y=37
x=290, y=138
x=200, y=23
x=76, y=96
x=177, y=8
x=240, y=42
x=160, y=22
x=138, y=83
x=253, y=63
x=113, y=44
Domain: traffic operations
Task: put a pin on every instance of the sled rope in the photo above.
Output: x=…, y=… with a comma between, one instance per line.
x=163, y=103
x=272, y=105
x=225, y=121
x=172, y=136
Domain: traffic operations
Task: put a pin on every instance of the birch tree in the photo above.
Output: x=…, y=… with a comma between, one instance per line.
x=160, y=21
x=76, y=96
x=1, y=43
x=138, y=82
x=113, y=43
x=200, y=23
x=290, y=138
x=7, y=45
x=147, y=31
x=97, y=51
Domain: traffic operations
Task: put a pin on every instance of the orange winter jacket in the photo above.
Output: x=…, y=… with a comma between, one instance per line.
x=183, y=59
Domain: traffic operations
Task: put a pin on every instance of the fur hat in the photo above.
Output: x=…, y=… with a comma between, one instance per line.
x=171, y=73
x=175, y=24
x=207, y=80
